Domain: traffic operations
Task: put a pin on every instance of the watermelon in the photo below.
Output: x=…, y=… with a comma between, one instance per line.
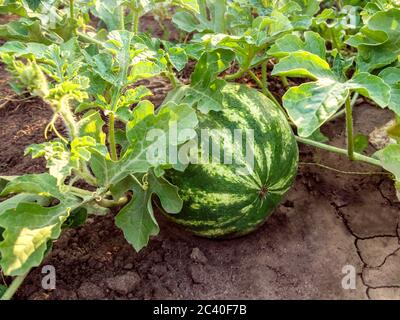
x=219, y=202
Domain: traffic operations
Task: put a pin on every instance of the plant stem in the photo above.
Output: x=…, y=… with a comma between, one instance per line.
x=135, y=20
x=14, y=286
x=264, y=84
x=171, y=74
x=87, y=175
x=105, y=203
x=354, y=99
x=350, y=129
x=81, y=192
x=68, y=118
x=219, y=16
x=267, y=92
x=237, y=75
x=335, y=43
x=285, y=82
x=122, y=17
x=343, y=112
x=71, y=8
x=172, y=77
x=203, y=9
x=357, y=157
x=111, y=137
x=88, y=39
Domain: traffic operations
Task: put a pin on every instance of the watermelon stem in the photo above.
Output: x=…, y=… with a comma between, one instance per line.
x=13, y=288
x=357, y=156
x=266, y=91
x=350, y=129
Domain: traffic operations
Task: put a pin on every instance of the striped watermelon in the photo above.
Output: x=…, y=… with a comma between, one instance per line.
x=219, y=202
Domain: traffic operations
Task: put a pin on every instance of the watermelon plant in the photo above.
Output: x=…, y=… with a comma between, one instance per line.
x=118, y=153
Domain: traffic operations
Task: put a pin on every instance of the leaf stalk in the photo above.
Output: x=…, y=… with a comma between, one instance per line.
x=357, y=156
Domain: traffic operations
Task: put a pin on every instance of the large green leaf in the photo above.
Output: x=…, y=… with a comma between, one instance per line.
x=3, y=289
x=127, y=59
x=13, y=8
x=61, y=161
x=34, y=4
x=310, y=105
x=147, y=133
x=391, y=76
x=390, y=160
x=303, y=64
x=20, y=49
x=204, y=93
x=28, y=31
x=28, y=225
x=4, y=181
x=91, y=125
x=108, y=12
x=371, y=87
x=290, y=43
x=137, y=219
x=378, y=41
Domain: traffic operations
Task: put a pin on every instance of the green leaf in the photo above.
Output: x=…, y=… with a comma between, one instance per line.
x=265, y=30
x=319, y=137
x=91, y=125
x=204, y=93
x=76, y=219
x=312, y=104
x=341, y=65
x=178, y=57
x=191, y=5
x=390, y=159
x=4, y=181
x=57, y=157
x=394, y=130
x=102, y=65
x=60, y=160
x=239, y=45
x=33, y=4
x=127, y=59
x=63, y=64
x=30, y=226
x=108, y=12
x=13, y=8
x=186, y=21
x=313, y=43
x=135, y=95
x=13, y=202
x=137, y=219
x=211, y=65
x=149, y=143
x=303, y=64
x=27, y=30
x=391, y=76
x=377, y=42
x=3, y=289
x=20, y=49
x=372, y=87
x=361, y=143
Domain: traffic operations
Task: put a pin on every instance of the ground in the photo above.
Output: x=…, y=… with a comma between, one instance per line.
x=328, y=221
